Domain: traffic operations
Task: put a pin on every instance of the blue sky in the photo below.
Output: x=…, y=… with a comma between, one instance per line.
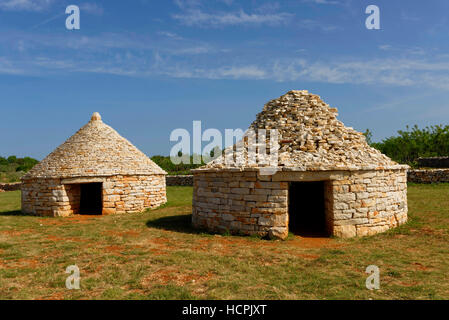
x=151, y=66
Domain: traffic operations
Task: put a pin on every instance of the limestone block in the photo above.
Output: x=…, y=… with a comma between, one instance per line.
x=345, y=231
x=278, y=233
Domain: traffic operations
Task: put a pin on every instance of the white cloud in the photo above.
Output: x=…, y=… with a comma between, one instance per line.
x=235, y=72
x=8, y=67
x=322, y=1
x=184, y=4
x=25, y=5
x=398, y=72
x=140, y=56
x=197, y=17
x=170, y=35
x=92, y=8
x=192, y=50
x=317, y=25
x=385, y=47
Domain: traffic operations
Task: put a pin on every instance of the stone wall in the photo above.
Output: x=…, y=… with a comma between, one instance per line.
x=9, y=186
x=121, y=194
x=358, y=203
x=428, y=176
x=434, y=162
x=180, y=180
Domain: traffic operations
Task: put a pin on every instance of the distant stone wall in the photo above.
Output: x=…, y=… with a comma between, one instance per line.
x=121, y=194
x=434, y=162
x=428, y=175
x=186, y=180
x=357, y=203
x=10, y=186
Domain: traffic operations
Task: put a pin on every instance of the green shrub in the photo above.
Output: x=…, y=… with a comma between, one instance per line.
x=13, y=168
x=175, y=169
x=412, y=143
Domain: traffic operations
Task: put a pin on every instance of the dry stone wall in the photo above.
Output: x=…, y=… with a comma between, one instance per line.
x=9, y=186
x=121, y=194
x=181, y=180
x=358, y=203
x=428, y=176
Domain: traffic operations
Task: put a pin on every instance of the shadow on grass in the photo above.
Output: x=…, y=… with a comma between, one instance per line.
x=15, y=213
x=183, y=224
x=178, y=223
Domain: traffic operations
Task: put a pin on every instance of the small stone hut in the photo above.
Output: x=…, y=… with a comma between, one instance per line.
x=96, y=171
x=328, y=181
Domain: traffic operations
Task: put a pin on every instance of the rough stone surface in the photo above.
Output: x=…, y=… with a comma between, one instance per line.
x=181, y=180
x=121, y=194
x=131, y=182
x=365, y=191
x=95, y=150
x=311, y=138
x=357, y=203
x=9, y=186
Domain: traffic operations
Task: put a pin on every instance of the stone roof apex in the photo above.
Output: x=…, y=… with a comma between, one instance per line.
x=95, y=117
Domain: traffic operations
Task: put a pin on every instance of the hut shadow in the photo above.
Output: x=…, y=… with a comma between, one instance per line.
x=15, y=213
x=177, y=223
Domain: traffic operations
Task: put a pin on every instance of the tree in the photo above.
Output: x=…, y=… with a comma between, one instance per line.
x=12, y=159
x=368, y=136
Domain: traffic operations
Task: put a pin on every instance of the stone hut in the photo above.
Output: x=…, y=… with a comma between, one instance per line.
x=327, y=180
x=96, y=171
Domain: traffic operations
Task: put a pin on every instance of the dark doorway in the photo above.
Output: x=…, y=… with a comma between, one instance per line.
x=91, y=198
x=307, y=209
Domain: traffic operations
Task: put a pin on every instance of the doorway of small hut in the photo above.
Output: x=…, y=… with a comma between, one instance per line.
x=306, y=208
x=91, y=198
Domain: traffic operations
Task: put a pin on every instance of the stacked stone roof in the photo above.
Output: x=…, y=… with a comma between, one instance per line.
x=310, y=138
x=95, y=150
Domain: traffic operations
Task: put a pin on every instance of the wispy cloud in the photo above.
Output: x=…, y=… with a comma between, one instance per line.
x=185, y=4
x=92, y=8
x=317, y=25
x=403, y=50
x=392, y=71
x=25, y=5
x=387, y=72
x=409, y=17
x=48, y=20
x=322, y=1
x=196, y=17
x=173, y=56
x=170, y=35
x=385, y=47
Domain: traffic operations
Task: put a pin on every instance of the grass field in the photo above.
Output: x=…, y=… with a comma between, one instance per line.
x=157, y=255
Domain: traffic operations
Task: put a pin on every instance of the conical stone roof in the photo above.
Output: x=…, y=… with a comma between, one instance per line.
x=310, y=138
x=95, y=150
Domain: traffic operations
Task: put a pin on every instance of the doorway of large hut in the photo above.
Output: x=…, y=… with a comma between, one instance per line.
x=91, y=202
x=306, y=208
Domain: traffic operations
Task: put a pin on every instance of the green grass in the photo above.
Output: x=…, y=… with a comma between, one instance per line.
x=158, y=255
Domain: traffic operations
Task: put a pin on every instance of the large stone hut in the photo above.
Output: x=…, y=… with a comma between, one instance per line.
x=96, y=171
x=327, y=180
